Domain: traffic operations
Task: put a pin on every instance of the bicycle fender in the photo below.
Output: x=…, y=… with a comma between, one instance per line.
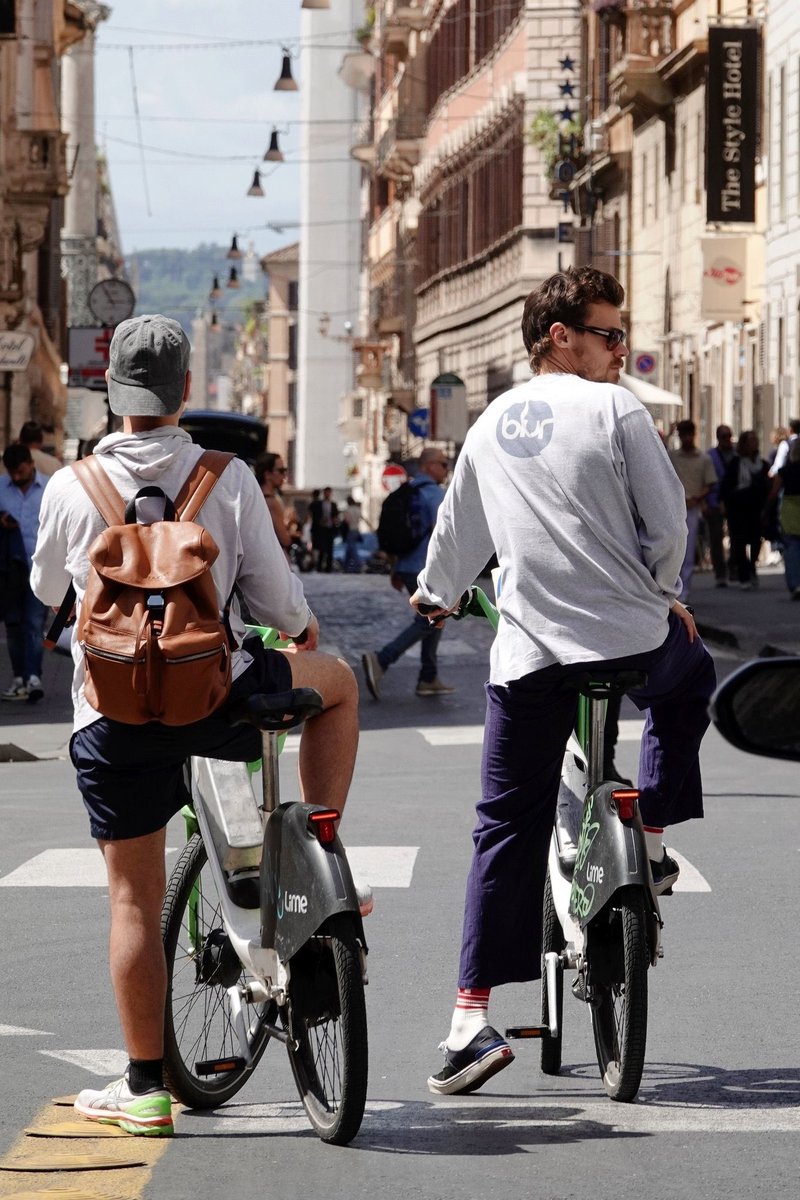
x=303, y=882
x=611, y=854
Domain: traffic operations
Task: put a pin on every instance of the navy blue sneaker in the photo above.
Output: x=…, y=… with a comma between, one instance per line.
x=664, y=873
x=468, y=1069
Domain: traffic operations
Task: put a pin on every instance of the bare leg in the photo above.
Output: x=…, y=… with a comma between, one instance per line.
x=136, y=884
x=329, y=742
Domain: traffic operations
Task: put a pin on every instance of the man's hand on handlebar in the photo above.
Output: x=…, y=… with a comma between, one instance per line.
x=307, y=640
x=436, y=616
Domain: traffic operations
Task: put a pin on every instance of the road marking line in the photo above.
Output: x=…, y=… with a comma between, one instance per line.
x=19, y=1031
x=380, y=866
x=690, y=879
x=452, y=735
x=98, y=1062
x=383, y=866
x=630, y=731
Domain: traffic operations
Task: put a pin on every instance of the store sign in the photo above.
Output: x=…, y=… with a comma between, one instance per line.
x=731, y=117
x=15, y=350
x=448, y=409
x=87, y=352
x=724, y=279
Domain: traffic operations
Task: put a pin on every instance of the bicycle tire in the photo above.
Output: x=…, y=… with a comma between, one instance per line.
x=619, y=1008
x=552, y=942
x=197, y=1021
x=329, y=1057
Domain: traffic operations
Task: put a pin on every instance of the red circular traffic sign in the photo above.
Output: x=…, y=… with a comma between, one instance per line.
x=393, y=475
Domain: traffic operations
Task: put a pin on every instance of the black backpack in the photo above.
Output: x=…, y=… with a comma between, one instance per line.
x=402, y=525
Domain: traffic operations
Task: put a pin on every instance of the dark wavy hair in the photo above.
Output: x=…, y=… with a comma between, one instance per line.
x=564, y=297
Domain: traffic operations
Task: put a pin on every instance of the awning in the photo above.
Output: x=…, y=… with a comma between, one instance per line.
x=648, y=393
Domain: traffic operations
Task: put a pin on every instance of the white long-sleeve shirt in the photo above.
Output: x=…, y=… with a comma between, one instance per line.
x=569, y=484
x=234, y=514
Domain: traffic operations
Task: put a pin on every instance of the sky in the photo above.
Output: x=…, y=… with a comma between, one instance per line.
x=201, y=74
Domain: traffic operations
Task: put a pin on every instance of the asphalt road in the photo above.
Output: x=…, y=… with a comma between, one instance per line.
x=720, y=1103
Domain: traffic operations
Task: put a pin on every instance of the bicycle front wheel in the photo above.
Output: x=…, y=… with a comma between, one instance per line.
x=618, y=970
x=201, y=966
x=552, y=942
x=329, y=1026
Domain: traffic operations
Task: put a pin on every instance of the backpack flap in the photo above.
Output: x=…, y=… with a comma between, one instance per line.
x=155, y=647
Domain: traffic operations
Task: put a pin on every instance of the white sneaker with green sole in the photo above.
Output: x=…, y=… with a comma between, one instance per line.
x=148, y=1114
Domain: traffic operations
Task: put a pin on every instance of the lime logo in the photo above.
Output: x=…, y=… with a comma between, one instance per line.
x=525, y=429
x=291, y=902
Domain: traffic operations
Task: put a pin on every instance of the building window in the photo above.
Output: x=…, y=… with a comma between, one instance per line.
x=294, y=295
x=467, y=34
x=472, y=211
x=782, y=143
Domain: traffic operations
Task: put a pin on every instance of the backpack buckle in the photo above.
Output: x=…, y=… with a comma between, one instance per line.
x=156, y=605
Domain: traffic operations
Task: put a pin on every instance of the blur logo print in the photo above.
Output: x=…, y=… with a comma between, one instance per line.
x=525, y=429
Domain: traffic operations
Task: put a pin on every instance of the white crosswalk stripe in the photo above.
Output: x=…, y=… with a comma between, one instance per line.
x=380, y=866
x=99, y=1062
x=20, y=1031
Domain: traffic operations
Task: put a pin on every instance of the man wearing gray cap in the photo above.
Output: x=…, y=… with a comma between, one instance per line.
x=130, y=776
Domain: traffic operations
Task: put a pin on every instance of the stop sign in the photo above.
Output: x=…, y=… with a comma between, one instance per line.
x=393, y=475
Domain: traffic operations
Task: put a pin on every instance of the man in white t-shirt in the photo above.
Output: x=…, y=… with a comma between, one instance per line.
x=567, y=481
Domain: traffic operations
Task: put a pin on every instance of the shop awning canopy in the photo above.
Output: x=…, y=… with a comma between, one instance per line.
x=648, y=393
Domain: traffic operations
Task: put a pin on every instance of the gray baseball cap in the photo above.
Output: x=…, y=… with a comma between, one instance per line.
x=147, y=363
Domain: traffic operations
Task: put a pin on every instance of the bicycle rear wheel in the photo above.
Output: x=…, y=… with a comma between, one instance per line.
x=618, y=972
x=329, y=1024
x=552, y=941
x=201, y=965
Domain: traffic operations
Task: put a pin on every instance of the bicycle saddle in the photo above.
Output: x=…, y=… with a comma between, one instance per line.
x=605, y=682
x=278, y=711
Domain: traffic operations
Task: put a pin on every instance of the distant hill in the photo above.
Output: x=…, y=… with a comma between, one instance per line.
x=177, y=283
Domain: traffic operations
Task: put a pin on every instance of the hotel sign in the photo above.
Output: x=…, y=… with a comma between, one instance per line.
x=731, y=119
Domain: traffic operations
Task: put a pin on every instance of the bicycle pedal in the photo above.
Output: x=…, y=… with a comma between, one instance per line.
x=220, y=1066
x=528, y=1031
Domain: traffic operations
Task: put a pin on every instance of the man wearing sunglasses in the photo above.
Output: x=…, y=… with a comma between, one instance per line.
x=567, y=481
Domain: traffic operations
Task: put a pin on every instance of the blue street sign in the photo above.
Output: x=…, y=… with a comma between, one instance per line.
x=419, y=422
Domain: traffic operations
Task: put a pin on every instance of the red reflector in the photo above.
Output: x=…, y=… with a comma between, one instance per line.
x=626, y=803
x=323, y=822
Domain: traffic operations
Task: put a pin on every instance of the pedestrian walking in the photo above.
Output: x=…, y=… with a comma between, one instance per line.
x=567, y=481
x=351, y=525
x=21, y=492
x=324, y=512
x=744, y=492
x=786, y=490
x=714, y=512
x=427, y=495
x=697, y=475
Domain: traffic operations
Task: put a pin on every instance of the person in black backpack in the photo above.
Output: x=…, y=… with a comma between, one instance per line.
x=130, y=775
x=428, y=495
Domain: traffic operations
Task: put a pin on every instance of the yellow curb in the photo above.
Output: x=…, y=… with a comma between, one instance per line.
x=121, y=1170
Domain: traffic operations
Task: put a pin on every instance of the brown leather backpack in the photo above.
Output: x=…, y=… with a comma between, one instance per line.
x=156, y=646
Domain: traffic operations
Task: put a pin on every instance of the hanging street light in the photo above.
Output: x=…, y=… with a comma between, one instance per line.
x=255, y=188
x=234, y=251
x=216, y=290
x=285, y=81
x=273, y=151
x=233, y=278
x=316, y=4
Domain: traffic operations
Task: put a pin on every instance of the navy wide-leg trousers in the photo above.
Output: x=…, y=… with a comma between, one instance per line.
x=528, y=723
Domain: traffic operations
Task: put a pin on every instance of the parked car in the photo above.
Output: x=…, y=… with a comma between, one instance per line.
x=371, y=558
x=232, y=432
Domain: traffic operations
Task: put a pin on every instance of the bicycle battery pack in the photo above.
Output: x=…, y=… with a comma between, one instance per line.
x=233, y=813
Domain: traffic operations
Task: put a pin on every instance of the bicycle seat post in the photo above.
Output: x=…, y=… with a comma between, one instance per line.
x=270, y=785
x=594, y=749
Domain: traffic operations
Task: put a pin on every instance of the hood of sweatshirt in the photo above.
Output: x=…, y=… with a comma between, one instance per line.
x=148, y=455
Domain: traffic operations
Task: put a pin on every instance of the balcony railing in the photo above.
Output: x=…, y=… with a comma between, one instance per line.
x=648, y=37
x=36, y=165
x=399, y=147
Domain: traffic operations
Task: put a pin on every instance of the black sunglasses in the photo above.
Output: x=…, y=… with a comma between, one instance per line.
x=614, y=337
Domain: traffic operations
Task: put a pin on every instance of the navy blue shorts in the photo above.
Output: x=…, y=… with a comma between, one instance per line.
x=131, y=776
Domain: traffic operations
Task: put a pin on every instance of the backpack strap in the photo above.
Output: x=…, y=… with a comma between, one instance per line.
x=100, y=490
x=200, y=483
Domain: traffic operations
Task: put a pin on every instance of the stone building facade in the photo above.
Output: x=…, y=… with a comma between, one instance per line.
x=33, y=184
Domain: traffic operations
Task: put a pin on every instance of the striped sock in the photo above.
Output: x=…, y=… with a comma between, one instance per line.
x=654, y=840
x=470, y=1015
